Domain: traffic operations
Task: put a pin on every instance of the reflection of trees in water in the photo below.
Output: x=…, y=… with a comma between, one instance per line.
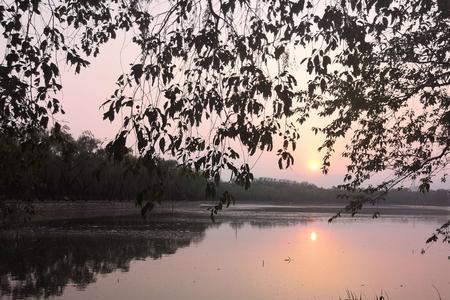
x=42, y=264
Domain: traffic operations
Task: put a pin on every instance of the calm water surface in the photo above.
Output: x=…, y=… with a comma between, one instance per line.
x=299, y=257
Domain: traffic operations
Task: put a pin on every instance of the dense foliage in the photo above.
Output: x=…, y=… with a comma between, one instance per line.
x=216, y=76
x=57, y=167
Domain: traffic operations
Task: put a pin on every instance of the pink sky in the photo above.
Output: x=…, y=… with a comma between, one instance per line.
x=84, y=93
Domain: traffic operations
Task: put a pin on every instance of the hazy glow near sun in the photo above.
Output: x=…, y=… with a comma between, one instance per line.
x=314, y=165
x=313, y=236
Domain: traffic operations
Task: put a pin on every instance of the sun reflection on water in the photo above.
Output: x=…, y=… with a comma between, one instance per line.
x=313, y=236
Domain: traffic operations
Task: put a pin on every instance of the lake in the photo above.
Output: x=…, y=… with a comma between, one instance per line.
x=254, y=256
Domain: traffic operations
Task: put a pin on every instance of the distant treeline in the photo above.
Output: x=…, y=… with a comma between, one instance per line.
x=303, y=193
x=60, y=167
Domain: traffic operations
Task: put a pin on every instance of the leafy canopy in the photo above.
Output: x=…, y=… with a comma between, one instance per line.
x=379, y=74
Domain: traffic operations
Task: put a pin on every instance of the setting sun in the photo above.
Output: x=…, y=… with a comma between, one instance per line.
x=313, y=236
x=314, y=165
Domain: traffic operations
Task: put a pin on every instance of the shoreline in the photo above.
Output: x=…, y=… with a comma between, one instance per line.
x=62, y=210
